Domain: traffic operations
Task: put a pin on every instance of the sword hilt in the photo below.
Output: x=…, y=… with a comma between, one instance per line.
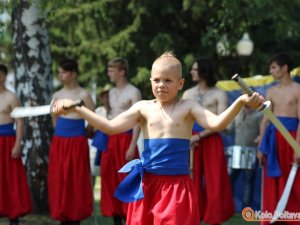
x=78, y=102
x=248, y=90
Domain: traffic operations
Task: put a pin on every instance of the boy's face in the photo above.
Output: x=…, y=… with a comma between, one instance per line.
x=114, y=73
x=277, y=71
x=166, y=82
x=66, y=76
x=194, y=72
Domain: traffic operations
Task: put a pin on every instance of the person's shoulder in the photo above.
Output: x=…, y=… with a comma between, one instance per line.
x=9, y=94
x=133, y=87
x=186, y=102
x=83, y=90
x=57, y=93
x=296, y=85
x=190, y=93
x=191, y=90
x=217, y=90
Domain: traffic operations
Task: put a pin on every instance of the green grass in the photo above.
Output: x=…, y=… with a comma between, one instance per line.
x=45, y=220
x=32, y=219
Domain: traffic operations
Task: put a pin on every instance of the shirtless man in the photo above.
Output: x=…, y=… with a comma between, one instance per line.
x=208, y=150
x=276, y=153
x=120, y=147
x=159, y=186
x=12, y=173
x=70, y=192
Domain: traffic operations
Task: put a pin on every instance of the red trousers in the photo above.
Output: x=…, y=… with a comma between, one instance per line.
x=15, y=200
x=69, y=179
x=212, y=181
x=273, y=187
x=169, y=200
x=111, y=161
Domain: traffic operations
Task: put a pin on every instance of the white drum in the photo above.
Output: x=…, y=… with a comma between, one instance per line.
x=241, y=157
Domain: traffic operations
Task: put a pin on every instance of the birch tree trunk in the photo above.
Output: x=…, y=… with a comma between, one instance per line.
x=33, y=87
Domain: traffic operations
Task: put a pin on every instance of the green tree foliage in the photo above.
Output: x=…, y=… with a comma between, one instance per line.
x=94, y=31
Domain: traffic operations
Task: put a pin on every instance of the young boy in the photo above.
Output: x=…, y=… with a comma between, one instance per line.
x=275, y=150
x=159, y=186
x=15, y=198
x=69, y=178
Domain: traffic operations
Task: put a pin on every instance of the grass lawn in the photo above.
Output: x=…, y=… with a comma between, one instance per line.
x=100, y=220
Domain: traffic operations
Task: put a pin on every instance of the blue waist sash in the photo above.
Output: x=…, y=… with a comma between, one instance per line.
x=66, y=127
x=268, y=144
x=7, y=130
x=161, y=156
x=100, y=140
x=197, y=128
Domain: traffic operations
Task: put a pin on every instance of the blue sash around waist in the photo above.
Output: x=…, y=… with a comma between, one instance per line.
x=268, y=144
x=161, y=156
x=66, y=127
x=7, y=130
x=197, y=128
x=100, y=140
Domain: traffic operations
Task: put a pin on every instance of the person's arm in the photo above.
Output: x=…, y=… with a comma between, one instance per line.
x=16, y=151
x=296, y=157
x=131, y=151
x=263, y=125
x=89, y=103
x=222, y=104
x=119, y=124
x=211, y=121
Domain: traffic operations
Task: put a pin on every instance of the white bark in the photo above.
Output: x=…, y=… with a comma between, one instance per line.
x=34, y=87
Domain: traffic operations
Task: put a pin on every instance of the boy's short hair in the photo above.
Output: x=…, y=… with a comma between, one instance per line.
x=120, y=63
x=4, y=69
x=68, y=64
x=283, y=58
x=169, y=58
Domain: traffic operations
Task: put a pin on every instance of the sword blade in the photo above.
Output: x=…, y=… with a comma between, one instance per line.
x=269, y=114
x=286, y=194
x=27, y=111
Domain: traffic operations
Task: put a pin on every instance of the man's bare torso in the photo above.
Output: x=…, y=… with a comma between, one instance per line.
x=214, y=99
x=8, y=102
x=122, y=100
x=285, y=99
x=76, y=93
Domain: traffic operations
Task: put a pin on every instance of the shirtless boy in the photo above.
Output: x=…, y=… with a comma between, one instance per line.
x=70, y=191
x=209, y=162
x=12, y=173
x=276, y=153
x=159, y=186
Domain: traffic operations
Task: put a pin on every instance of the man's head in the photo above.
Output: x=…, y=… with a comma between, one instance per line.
x=282, y=59
x=166, y=76
x=117, y=68
x=281, y=64
x=203, y=70
x=68, y=69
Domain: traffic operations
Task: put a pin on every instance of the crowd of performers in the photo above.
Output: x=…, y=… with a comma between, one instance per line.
x=181, y=175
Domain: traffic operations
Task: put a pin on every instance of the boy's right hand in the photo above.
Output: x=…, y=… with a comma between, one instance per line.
x=58, y=106
x=254, y=101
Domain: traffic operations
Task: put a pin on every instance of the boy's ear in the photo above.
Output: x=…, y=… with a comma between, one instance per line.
x=181, y=84
x=285, y=67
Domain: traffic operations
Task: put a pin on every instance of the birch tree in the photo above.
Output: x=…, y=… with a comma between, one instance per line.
x=34, y=87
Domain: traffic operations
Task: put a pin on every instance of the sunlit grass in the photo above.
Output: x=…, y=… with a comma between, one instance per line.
x=98, y=219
